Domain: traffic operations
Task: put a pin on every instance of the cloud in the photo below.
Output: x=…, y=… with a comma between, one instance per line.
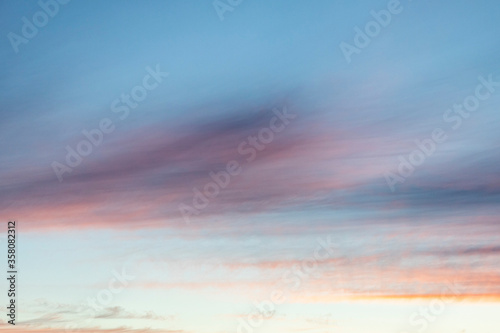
x=118, y=312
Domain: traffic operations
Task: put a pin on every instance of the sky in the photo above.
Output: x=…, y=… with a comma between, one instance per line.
x=251, y=166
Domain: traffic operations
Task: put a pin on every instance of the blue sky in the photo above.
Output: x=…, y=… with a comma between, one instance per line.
x=344, y=128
